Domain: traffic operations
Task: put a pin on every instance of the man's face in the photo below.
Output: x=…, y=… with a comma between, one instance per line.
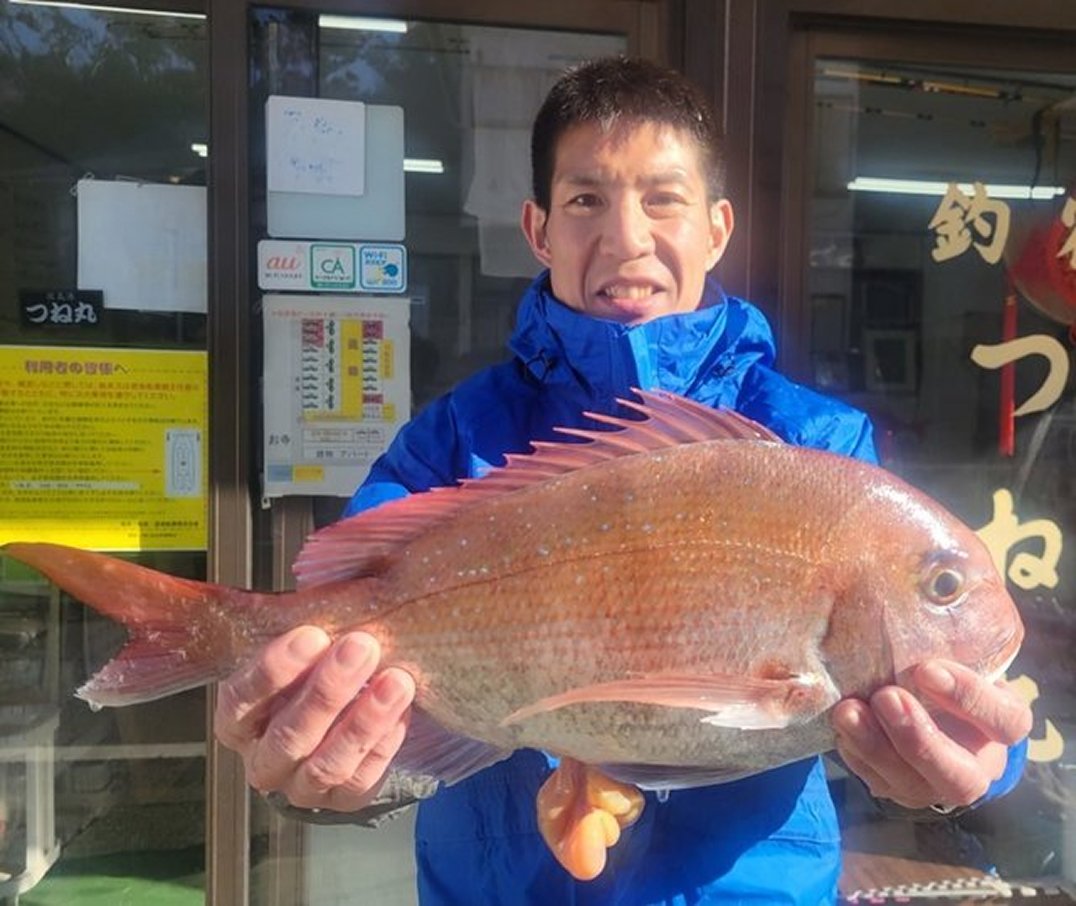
x=630, y=232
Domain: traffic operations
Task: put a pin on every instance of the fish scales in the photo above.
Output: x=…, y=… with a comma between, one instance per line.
x=669, y=581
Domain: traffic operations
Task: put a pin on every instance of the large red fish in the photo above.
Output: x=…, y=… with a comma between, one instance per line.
x=675, y=603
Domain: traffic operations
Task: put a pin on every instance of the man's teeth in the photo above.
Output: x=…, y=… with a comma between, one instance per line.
x=629, y=292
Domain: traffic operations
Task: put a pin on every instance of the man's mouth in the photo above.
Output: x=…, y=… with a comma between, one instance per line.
x=630, y=291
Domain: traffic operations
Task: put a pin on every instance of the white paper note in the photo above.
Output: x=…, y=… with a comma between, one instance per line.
x=315, y=145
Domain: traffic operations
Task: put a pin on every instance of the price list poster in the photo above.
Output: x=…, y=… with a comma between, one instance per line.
x=336, y=388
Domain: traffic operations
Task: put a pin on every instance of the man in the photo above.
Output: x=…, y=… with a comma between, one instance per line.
x=628, y=217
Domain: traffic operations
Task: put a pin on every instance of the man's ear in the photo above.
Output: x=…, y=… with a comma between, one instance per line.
x=533, y=222
x=722, y=222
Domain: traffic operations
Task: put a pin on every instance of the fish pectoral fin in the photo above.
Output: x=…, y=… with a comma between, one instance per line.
x=736, y=702
x=581, y=813
x=430, y=750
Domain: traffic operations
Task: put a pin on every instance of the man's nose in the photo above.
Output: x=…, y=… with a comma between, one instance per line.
x=627, y=232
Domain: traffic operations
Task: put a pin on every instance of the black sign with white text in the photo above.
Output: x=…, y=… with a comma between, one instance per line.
x=61, y=307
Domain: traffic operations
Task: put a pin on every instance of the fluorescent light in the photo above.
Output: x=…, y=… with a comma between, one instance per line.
x=420, y=165
x=410, y=164
x=927, y=187
x=363, y=23
x=111, y=9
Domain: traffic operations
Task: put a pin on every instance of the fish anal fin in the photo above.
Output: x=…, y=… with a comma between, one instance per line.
x=430, y=750
x=581, y=813
x=736, y=702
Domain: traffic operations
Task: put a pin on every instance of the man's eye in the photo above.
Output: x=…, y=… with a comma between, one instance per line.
x=584, y=200
x=665, y=199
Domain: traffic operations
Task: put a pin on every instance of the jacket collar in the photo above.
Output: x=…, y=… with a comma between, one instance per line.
x=703, y=354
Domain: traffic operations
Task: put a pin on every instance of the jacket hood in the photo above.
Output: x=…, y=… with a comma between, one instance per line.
x=704, y=354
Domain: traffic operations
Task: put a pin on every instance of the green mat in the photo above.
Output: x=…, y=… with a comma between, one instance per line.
x=161, y=878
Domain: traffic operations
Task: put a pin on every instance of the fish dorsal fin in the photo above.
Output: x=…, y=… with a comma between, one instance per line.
x=360, y=545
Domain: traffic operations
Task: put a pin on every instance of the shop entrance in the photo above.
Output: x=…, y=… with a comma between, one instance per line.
x=931, y=266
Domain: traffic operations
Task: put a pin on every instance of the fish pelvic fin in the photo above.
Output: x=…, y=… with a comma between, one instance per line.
x=430, y=750
x=174, y=641
x=734, y=702
x=361, y=545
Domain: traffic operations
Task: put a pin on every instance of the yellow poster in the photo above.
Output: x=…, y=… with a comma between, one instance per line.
x=103, y=448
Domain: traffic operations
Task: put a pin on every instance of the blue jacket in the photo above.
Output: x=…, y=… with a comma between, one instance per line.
x=768, y=839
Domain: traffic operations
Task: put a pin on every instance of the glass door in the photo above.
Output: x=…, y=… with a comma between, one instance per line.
x=103, y=124
x=934, y=286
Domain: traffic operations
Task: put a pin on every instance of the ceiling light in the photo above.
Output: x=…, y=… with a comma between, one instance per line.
x=420, y=165
x=111, y=9
x=200, y=148
x=363, y=23
x=927, y=187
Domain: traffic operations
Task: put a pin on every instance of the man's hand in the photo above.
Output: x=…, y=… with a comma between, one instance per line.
x=917, y=759
x=315, y=720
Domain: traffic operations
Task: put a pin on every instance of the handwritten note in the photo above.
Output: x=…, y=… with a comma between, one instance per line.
x=315, y=145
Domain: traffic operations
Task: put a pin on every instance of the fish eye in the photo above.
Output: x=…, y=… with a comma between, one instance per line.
x=944, y=585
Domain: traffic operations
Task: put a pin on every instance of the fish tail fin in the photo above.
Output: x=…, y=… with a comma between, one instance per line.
x=173, y=641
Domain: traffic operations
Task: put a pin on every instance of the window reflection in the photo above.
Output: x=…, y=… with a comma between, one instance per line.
x=942, y=301
x=111, y=802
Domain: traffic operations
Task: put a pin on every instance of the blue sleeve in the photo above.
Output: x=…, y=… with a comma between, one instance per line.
x=426, y=453
x=1014, y=770
x=804, y=417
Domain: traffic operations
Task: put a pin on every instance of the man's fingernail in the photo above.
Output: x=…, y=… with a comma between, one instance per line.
x=935, y=678
x=389, y=690
x=851, y=725
x=352, y=652
x=890, y=707
x=307, y=644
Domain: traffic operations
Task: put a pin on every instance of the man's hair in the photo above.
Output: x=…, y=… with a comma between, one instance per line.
x=613, y=90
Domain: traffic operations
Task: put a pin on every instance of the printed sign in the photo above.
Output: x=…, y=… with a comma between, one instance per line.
x=336, y=389
x=103, y=448
x=366, y=267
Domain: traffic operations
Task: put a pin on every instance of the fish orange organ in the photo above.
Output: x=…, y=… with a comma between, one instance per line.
x=677, y=602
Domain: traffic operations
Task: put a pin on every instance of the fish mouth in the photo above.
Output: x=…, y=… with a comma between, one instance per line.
x=993, y=667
